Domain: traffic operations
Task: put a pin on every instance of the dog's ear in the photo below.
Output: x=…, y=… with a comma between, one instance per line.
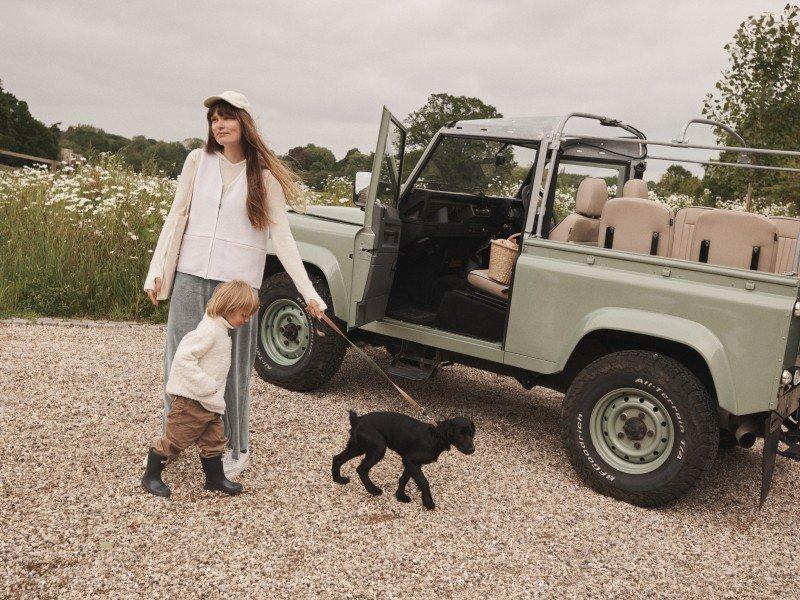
x=446, y=428
x=471, y=427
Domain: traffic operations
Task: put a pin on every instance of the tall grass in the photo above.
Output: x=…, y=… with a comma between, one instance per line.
x=78, y=242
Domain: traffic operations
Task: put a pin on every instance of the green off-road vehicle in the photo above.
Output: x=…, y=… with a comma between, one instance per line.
x=670, y=333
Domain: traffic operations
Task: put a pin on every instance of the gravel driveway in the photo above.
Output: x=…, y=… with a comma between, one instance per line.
x=79, y=406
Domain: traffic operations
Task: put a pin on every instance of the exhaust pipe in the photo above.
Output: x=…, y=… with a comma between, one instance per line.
x=746, y=433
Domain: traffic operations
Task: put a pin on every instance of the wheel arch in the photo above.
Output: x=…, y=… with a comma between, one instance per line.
x=322, y=262
x=688, y=342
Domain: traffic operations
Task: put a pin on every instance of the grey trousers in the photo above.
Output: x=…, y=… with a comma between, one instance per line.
x=186, y=308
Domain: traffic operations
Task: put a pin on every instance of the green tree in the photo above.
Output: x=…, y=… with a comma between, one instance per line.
x=166, y=156
x=440, y=109
x=678, y=180
x=140, y=152
x=314, y=164
x=21, y=132
x=87, y=140
x=353, y=162
x=193, y=143
x=759, y=96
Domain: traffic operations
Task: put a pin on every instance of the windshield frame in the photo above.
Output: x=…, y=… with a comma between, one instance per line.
x=429, y=153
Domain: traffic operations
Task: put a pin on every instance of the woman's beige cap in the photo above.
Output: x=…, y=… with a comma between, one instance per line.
x=237, y=99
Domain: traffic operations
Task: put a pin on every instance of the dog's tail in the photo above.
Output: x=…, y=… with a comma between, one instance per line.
x=353, y=417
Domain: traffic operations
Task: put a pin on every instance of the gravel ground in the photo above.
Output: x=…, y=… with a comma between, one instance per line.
x=78, y=407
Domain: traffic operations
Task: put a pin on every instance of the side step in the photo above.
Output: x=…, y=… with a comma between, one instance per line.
x=409, y=365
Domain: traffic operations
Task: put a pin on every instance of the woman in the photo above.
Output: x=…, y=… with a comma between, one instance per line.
x=239, y=189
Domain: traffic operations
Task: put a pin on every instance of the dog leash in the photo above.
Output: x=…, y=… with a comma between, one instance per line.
x=406, y=396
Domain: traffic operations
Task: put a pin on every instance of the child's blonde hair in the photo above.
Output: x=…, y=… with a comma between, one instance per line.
x=230, y=297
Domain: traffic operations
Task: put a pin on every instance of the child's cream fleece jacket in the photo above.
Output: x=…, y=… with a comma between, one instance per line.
x=200, y=367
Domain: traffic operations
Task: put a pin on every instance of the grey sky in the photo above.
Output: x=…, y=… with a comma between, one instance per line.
x=320, y=71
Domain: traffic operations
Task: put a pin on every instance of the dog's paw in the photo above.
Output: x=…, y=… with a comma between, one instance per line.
x=375, y=491
x=341, y=480
x=402, y=497
x=429, y=504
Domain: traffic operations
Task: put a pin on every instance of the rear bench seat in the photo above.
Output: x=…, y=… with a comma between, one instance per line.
x=735, y=239
x=683, y=231
x=636, y=225
x=788, y=229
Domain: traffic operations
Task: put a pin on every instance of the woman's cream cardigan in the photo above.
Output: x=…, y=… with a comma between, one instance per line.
x=278, y=229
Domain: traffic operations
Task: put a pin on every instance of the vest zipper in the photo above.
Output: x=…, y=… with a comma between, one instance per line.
x=214, y=235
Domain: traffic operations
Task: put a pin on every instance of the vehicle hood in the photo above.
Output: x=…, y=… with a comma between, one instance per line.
x=345, y=214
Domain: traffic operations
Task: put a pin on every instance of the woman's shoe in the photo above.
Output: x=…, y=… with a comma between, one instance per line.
x=234, y=467
x=215, y=477
x=151, y=481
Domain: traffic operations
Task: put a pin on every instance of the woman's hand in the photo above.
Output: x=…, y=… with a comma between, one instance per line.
x=154, y=293
x=315, y=310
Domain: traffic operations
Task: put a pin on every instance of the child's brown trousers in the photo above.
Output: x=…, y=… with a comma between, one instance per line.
x=189, y=423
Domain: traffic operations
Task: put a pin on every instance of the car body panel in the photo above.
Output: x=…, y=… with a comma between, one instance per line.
x=344, y=214
x=328, y=245
x=562, y=291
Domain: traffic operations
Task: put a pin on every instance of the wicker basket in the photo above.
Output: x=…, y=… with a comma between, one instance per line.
x=501, y=259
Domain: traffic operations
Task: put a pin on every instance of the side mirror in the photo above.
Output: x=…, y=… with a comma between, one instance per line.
x=361, y=187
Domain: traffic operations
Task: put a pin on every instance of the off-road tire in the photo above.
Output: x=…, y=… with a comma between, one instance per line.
x=696, y=428
x=325, y=352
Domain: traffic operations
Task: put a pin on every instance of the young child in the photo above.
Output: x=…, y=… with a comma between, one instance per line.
x=196, y=384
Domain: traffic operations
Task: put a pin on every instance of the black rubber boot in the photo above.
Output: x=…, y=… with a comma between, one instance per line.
x=151, y=481
x=215, y=477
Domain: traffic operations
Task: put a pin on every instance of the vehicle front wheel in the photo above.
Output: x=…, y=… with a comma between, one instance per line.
x=639, y=427
x=295, y=350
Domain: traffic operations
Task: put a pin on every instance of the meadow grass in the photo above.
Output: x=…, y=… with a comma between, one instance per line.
x=77, y=242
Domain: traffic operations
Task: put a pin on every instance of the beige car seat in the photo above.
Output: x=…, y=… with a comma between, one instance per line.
x=480, y=279
x=583, y=224
x=683, y=230
x=635, y=188
x=636, y=225
x=788, y=229
x=735, y=239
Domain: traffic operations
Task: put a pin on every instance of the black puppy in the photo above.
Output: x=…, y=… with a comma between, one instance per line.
x=416, y=442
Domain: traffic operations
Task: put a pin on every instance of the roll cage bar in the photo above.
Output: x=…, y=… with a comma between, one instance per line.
x=744, y=151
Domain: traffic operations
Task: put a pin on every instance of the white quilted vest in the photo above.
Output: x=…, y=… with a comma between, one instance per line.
x=219, y=242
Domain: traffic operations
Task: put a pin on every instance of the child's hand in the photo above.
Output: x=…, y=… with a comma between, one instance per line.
x=315, y=310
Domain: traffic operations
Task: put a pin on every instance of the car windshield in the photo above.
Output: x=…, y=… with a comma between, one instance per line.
x=477, y=166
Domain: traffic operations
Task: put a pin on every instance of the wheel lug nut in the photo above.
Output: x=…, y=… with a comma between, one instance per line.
x=641, y=415
x=620, y=435
x=637, y=445
x=623, y=416
x=650, y=433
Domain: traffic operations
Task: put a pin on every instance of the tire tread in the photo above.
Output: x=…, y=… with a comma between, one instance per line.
x=702, y=411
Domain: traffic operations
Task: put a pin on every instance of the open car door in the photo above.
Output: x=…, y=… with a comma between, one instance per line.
x=378, y=242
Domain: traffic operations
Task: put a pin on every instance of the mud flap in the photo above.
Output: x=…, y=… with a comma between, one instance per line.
x=772, y=434
x=787, y=404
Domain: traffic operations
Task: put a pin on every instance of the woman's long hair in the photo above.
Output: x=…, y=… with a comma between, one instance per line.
x=259, y=157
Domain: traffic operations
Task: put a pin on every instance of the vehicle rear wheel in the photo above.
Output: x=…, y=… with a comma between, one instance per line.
x=639, y=427
x=295, y=350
